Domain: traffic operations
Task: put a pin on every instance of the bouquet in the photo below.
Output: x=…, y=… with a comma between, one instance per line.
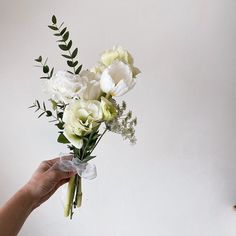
x=83, y=106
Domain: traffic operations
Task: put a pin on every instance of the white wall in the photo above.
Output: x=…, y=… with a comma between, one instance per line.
x=180, y=179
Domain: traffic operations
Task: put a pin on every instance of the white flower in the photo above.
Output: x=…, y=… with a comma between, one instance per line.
x=117, y=53
x=90, y=86
x=81, y=118
x=63, y=86
x=117, y=79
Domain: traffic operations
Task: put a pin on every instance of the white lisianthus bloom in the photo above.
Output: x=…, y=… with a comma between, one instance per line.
x=90, y=86
x=117, y=53
x=117, y=79
x=81, y=118
x=63, y=86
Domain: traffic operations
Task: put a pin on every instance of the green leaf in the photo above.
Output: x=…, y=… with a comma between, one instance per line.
x=38, y=103
x=66, y=56
x=52, y=121
x=49, y=113
x=32, y=106
x=72, y=64
x=44, y=77
x=78, y=69
x=69, y=45
x=39, y=59
x=54, y=104
x=63, y=31
x=41, y=114
x=88, y=158
x=45, y=69
x=63, y=47
x=52, y=27
x=62, y=139
x=60, y=115
x=95, y=137
x=44, y=106
x=57, y=34
x=74, y=53
x=60, y=126
x=51, y=73
x=70, y=72
x=54, y=19
x=66, y=36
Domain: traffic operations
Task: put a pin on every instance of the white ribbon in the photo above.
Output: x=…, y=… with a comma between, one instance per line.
x=84, y=170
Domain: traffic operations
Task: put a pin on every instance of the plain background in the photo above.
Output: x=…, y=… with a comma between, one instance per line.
x=180, y=178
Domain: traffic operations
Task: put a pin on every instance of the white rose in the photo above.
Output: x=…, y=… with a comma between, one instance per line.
x=81, y=118
x=63, y=86
x=117, y=79
x=90, y=86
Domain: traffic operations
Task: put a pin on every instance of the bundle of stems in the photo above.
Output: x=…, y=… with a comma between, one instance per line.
x=74, y=195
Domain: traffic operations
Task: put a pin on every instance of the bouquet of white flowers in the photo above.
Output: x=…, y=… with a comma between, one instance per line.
x=84, y=106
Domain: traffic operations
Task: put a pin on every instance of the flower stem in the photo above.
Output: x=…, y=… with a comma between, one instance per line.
x=70, y=197
x=78, y=197
x=99, y=140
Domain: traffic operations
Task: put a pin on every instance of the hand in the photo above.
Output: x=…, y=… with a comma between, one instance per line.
x=46, y=180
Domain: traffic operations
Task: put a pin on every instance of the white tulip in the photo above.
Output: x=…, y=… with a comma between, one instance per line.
x=117, y=79
x=81, y=118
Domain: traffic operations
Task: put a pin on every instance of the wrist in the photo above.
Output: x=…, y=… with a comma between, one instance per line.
x=31, y=200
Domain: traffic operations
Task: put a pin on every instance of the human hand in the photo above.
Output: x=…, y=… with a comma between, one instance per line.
x=46, y=180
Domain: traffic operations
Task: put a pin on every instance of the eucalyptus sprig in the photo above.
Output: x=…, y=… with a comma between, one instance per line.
x=42, y=108
x=65, y=44
x=45, y=67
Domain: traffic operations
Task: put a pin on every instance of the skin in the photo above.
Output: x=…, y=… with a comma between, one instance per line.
x=42, y=185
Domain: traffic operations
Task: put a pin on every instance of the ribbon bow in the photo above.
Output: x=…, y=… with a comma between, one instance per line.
x=84, y=170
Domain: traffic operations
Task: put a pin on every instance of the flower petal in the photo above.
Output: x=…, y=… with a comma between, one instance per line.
x=74, y=139
x=106, y=82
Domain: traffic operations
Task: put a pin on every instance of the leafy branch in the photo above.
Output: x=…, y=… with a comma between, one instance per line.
x=42, y=108
x=46, y=69
x=65, y=44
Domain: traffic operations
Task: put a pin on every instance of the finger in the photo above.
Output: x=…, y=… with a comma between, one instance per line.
x=68, y=157
x=45, y=165
x=58, y=174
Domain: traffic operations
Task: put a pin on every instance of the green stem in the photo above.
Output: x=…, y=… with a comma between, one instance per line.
x=98, y=140
x=78, y=197
x=70, y=197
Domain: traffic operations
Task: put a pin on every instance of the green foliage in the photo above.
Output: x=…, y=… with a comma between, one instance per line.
x=78, y=69
x=62, y=139
x=65, y=44
x=54, y=19
x=46, y=70
x=60, y=125
x=42, y=108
